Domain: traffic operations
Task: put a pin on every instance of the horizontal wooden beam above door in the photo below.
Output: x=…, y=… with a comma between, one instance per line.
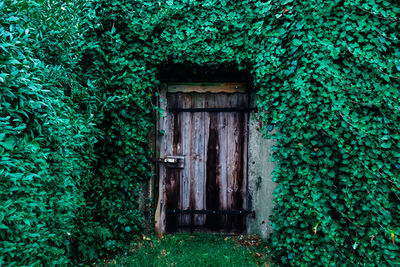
x=207, y=87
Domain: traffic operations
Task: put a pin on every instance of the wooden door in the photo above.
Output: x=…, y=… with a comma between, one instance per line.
x=206, y=131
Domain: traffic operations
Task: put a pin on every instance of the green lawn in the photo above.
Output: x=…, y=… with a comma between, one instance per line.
x=195, y=250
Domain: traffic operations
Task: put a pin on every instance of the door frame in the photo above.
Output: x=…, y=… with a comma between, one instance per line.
x=223, y=87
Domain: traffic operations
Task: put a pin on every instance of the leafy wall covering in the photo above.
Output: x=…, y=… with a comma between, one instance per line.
x=78, y=82
x=43, y=140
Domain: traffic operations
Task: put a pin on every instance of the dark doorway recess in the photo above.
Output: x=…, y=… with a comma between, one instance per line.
x=189, y=72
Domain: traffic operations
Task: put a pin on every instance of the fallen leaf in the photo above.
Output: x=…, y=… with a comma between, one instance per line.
x=316, y=228
x=285, y=10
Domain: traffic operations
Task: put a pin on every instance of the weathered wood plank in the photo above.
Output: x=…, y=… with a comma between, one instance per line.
x=234, y=100
x=212, y=169
x=235, y=166
x=213, y=164
x=159, y=217
x=244, y=142
x=171, y=179
x=173, y=176
x=197, y=164
x=223, y=139
x=231, y=164
x=186, y=151
x=206, y=127
x=207, y=87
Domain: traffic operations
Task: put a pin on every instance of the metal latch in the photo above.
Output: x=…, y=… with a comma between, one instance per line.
x=172, y=161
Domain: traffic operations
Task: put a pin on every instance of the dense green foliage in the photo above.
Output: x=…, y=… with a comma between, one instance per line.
x=336, y=98
x=41, y=135
x=77, y=83
x=59, y=200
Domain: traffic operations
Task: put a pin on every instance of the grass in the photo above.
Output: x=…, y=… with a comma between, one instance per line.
x=195, y=250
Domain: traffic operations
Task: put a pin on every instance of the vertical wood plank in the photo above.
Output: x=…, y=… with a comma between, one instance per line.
x=243, y=189
x=197, y=165
x=213, y=169
x=231, y=165
x=235, y=160
x=200, y=220
x=185, y=101
x=171, y=182
x=159, y=220
x=223, y=159
x=238, y=172
x=173, y=176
